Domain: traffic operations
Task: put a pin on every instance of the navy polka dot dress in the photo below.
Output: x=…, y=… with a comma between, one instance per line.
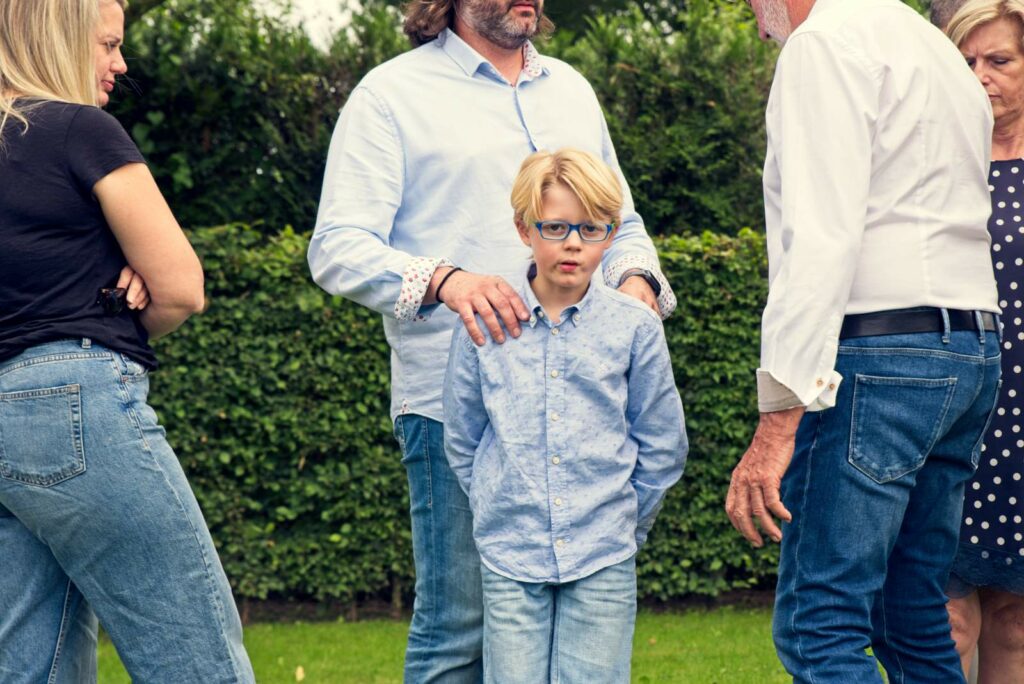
x=991, y=549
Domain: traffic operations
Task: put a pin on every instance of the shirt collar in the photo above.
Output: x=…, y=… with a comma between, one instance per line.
x=821, y=6
x=470, y=61
x=572, y=313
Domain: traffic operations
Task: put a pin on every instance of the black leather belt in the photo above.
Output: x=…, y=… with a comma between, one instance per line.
x=907, y=321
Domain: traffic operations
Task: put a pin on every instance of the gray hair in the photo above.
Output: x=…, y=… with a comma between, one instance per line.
x=943, y=10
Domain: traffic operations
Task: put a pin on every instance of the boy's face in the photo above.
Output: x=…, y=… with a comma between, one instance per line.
x=568, y=264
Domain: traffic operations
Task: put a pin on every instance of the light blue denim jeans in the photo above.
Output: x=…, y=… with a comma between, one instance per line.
x=876, y=488
x=446, y=634
x=579, y=632
x=97, y=520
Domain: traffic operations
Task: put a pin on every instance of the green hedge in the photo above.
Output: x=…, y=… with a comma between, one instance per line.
x=276, y=401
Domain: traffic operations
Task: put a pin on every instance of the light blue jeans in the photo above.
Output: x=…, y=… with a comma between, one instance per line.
x=97, y=520
x=446, y=634
x=876, y=488
x=574, y=633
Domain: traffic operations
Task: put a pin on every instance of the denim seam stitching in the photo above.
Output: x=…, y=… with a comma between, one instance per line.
x=431, y=635
x=988, y=422
x=73, y=392
x=210, y=584
x=796, y=552
x=950, y=383
x=61, y=635
x=126, y=403
x=53, y=358
x=885, y=631
x=909, y=351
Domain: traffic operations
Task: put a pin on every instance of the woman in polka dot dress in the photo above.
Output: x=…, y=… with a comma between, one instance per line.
x=987, y=582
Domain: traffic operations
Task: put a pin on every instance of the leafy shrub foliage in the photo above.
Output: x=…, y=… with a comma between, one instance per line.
x=234, y=110
x=276, y=400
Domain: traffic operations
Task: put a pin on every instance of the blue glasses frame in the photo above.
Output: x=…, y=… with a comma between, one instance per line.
x=608, y=228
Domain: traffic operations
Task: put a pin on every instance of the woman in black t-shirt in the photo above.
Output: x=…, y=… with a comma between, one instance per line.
x=96, y=517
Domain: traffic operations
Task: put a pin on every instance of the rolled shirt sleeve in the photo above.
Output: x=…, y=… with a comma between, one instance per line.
x=632, y=246
x=349, y=253
x=821, y=121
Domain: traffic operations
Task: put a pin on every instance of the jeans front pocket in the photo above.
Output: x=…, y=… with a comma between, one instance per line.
x=895, y=423
x=41, y=435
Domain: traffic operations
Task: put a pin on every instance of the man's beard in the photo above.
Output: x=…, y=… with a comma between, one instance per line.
x=493, y=20
x=776, y=20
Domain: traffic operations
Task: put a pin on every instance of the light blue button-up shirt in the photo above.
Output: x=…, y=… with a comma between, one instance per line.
x=421, y=168
x=567, y=438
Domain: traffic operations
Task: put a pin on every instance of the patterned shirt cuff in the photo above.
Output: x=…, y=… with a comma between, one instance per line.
x=415, y=281
x=613, y=274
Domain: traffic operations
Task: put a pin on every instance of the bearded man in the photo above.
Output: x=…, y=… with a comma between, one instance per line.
x=415, y=222
x=880, y=343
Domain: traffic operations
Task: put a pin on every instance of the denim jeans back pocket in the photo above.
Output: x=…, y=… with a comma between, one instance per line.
x=41, y=435
x=895, y=423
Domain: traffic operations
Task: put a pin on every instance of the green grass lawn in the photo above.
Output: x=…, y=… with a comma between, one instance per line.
x=723, y=646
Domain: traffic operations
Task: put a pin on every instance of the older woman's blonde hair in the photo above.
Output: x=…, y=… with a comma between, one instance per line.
x=976, y=13
x=46, y=53
x=592, y=181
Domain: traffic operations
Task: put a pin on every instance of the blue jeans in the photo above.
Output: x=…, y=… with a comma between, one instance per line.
x=876, y=489
x=580, y=631
x=446, y=634
x=97, y=520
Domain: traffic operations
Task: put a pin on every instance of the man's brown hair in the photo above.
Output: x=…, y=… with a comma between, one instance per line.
x=425, y=20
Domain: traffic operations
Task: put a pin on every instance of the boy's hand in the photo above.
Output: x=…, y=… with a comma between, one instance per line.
x=469, y=294
x=637, y=287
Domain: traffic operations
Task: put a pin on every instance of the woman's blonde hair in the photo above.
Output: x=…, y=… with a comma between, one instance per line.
x=976, y=13
x=46, y=53
x=590, y=179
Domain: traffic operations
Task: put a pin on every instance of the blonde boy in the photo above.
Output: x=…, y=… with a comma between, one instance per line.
x=565, y=440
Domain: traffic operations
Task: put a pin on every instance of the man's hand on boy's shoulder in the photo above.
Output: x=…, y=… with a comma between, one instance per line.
x=638, y=288
x=471, y=294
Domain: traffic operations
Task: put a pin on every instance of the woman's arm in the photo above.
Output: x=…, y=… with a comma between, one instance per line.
x=154, y=245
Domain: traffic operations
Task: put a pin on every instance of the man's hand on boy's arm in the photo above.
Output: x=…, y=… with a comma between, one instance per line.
x=469, y=294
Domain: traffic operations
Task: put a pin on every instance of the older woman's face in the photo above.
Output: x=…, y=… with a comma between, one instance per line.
x=107, y=49
x=994, y=52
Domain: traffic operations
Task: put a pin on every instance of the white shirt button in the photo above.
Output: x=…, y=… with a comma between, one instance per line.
x=554, y=416
x=554, y=374
x=575, y=318
x=556, y=460
x=560, y=543
x=554, y=331
x=558, y=501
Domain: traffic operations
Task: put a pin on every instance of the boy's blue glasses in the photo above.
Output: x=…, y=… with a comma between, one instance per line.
x=588, y=232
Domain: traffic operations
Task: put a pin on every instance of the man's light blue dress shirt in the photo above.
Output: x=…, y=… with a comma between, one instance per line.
x=567, y=438
x=421, y=168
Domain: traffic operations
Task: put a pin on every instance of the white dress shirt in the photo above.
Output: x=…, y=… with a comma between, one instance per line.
x=875, y=187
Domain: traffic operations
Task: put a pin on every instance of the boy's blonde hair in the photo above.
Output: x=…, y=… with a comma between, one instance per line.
x=46, y=53
x=592, y=181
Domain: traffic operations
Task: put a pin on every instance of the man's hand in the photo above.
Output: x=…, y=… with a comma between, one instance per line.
x=468, y=294
x=637, y=287
x=138, y=295
x=754, y=490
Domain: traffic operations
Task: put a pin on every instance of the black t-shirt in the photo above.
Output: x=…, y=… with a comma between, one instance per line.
x=56, y=249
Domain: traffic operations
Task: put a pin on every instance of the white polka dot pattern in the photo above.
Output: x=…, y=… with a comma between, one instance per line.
x=992, y=534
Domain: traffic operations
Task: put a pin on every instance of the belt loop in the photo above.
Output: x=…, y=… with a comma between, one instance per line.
x=86, y=343
x=945, y=325
x=981, y=326
x=999, y=327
